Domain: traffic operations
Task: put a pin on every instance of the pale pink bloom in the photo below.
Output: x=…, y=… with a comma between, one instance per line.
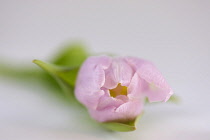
x=114, y=89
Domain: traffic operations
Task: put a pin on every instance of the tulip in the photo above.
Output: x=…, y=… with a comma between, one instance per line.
x=114, y=89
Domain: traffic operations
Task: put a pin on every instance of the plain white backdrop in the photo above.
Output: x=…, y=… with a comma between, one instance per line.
x=175, y=35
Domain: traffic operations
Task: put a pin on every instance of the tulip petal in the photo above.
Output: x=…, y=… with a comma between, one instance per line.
x=125, y=112
x=90, y=79
x=135, y=88
x=122, y=126
x=130, y=109
x=155, y=86
x=107, y=102
x=118, y=72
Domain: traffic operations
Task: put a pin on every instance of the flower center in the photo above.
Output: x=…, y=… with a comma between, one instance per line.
x=119, y=90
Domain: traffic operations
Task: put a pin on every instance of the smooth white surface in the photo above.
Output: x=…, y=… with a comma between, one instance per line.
x=175, y=35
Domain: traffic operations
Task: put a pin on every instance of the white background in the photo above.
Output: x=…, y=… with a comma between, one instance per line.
x=175, y=35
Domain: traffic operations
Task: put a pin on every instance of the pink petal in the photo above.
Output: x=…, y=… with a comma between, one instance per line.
x=155, y=86
x=107, y=114
x=130, y=110
x=118, y=72
x=90, y=79
x=135, y=88
x=107, y=102
x=125, y=112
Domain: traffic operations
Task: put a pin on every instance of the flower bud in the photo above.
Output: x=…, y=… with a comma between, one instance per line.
x=114, y=89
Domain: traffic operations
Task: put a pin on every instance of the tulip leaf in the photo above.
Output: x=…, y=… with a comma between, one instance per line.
x=174, y=99
x=72, y=55
x=122, y=126
x=65, y=76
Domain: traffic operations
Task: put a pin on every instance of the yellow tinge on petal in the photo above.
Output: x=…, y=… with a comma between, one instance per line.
x=153, y=87
x=119, y=90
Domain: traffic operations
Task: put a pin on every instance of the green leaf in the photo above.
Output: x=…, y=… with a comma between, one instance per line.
x=72, y=55
x=64, y=67
x=21, y=73
x=65, y=77
x=122, y=126
x=30, y=75
x=174, y=99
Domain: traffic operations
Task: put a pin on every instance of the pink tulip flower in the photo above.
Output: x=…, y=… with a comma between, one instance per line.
x=114, y=89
